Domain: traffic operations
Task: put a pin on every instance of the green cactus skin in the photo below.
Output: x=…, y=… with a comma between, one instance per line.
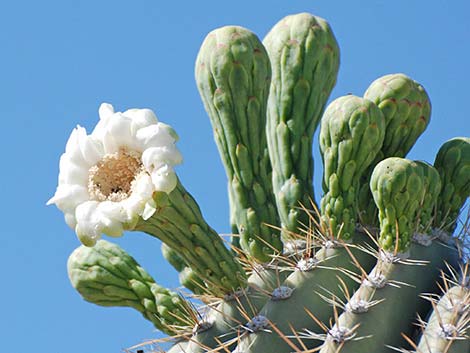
x=407, y=111
x=235, y=237
x=397, y=185
x=304, y=57
x=224, y=317
x=351, y=134
x=432, y=188
x=192, y=281
x=453, y=163
x=172, y=257
x=229, y=314
x=233, y=75
x=178, y=222
x=108, y=276
x=450, y=312
x=291, y=314
x=396, y=303
x=403, y=271
x=187, y=276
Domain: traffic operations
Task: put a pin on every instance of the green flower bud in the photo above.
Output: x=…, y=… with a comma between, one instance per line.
x=407, y=111
x=233, y=75
x=350, y=136
x=432, y=188
x=305, y=60
x=453, y=164
x=398, y=187
x=106, y=275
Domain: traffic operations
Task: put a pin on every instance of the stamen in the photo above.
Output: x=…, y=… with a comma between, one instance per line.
x=112, y=178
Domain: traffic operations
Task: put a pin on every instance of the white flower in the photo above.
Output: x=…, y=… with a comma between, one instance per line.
x=107, y=179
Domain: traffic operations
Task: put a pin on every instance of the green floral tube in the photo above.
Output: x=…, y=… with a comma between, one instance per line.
x=304, y=57
x=350, y=136
x=407, y=111
x=233, y=75
x=178, y=222
x=432, y=188
x=397, y=185
x=453, y=163
x=106, y=275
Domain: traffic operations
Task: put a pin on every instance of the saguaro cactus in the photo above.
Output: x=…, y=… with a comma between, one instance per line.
x=298, y=280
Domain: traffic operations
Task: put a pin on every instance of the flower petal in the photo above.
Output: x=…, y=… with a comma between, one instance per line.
x=71, y=173
x=92, y=151
x=119, y=127
x=67, y=197
x=112, y=211
x=149, y=210
x=70, y=219
x=72, y=148
x=105, y=111
x=89, y=227
x=154, y=157
x=164, y=179
x=141, y=118
x=157, y=135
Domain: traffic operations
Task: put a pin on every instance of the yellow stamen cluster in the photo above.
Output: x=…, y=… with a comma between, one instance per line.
x=111, y=179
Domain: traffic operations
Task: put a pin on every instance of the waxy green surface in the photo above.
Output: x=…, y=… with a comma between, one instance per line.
x=397, y=185
x=453, y=164
x=178, y=222
x=304, y=57
x=233, y=74
x=432, y=188
x=351, y=134
x=108, y=276
x=407, y=111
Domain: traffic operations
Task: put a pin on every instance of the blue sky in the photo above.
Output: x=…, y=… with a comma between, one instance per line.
x=60, y=59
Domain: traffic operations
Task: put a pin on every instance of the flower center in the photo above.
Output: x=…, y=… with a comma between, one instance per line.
x=112, y=178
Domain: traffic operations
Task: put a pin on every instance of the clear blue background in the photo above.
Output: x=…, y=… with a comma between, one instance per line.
x=60, y=59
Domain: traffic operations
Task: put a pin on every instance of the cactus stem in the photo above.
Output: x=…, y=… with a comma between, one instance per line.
x=410, y=274
x=291, y=315
x=227, y=315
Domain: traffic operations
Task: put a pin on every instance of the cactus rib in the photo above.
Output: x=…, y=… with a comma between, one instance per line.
x=179, y=223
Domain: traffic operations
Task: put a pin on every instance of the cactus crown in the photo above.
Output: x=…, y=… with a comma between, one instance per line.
x=290, y=270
